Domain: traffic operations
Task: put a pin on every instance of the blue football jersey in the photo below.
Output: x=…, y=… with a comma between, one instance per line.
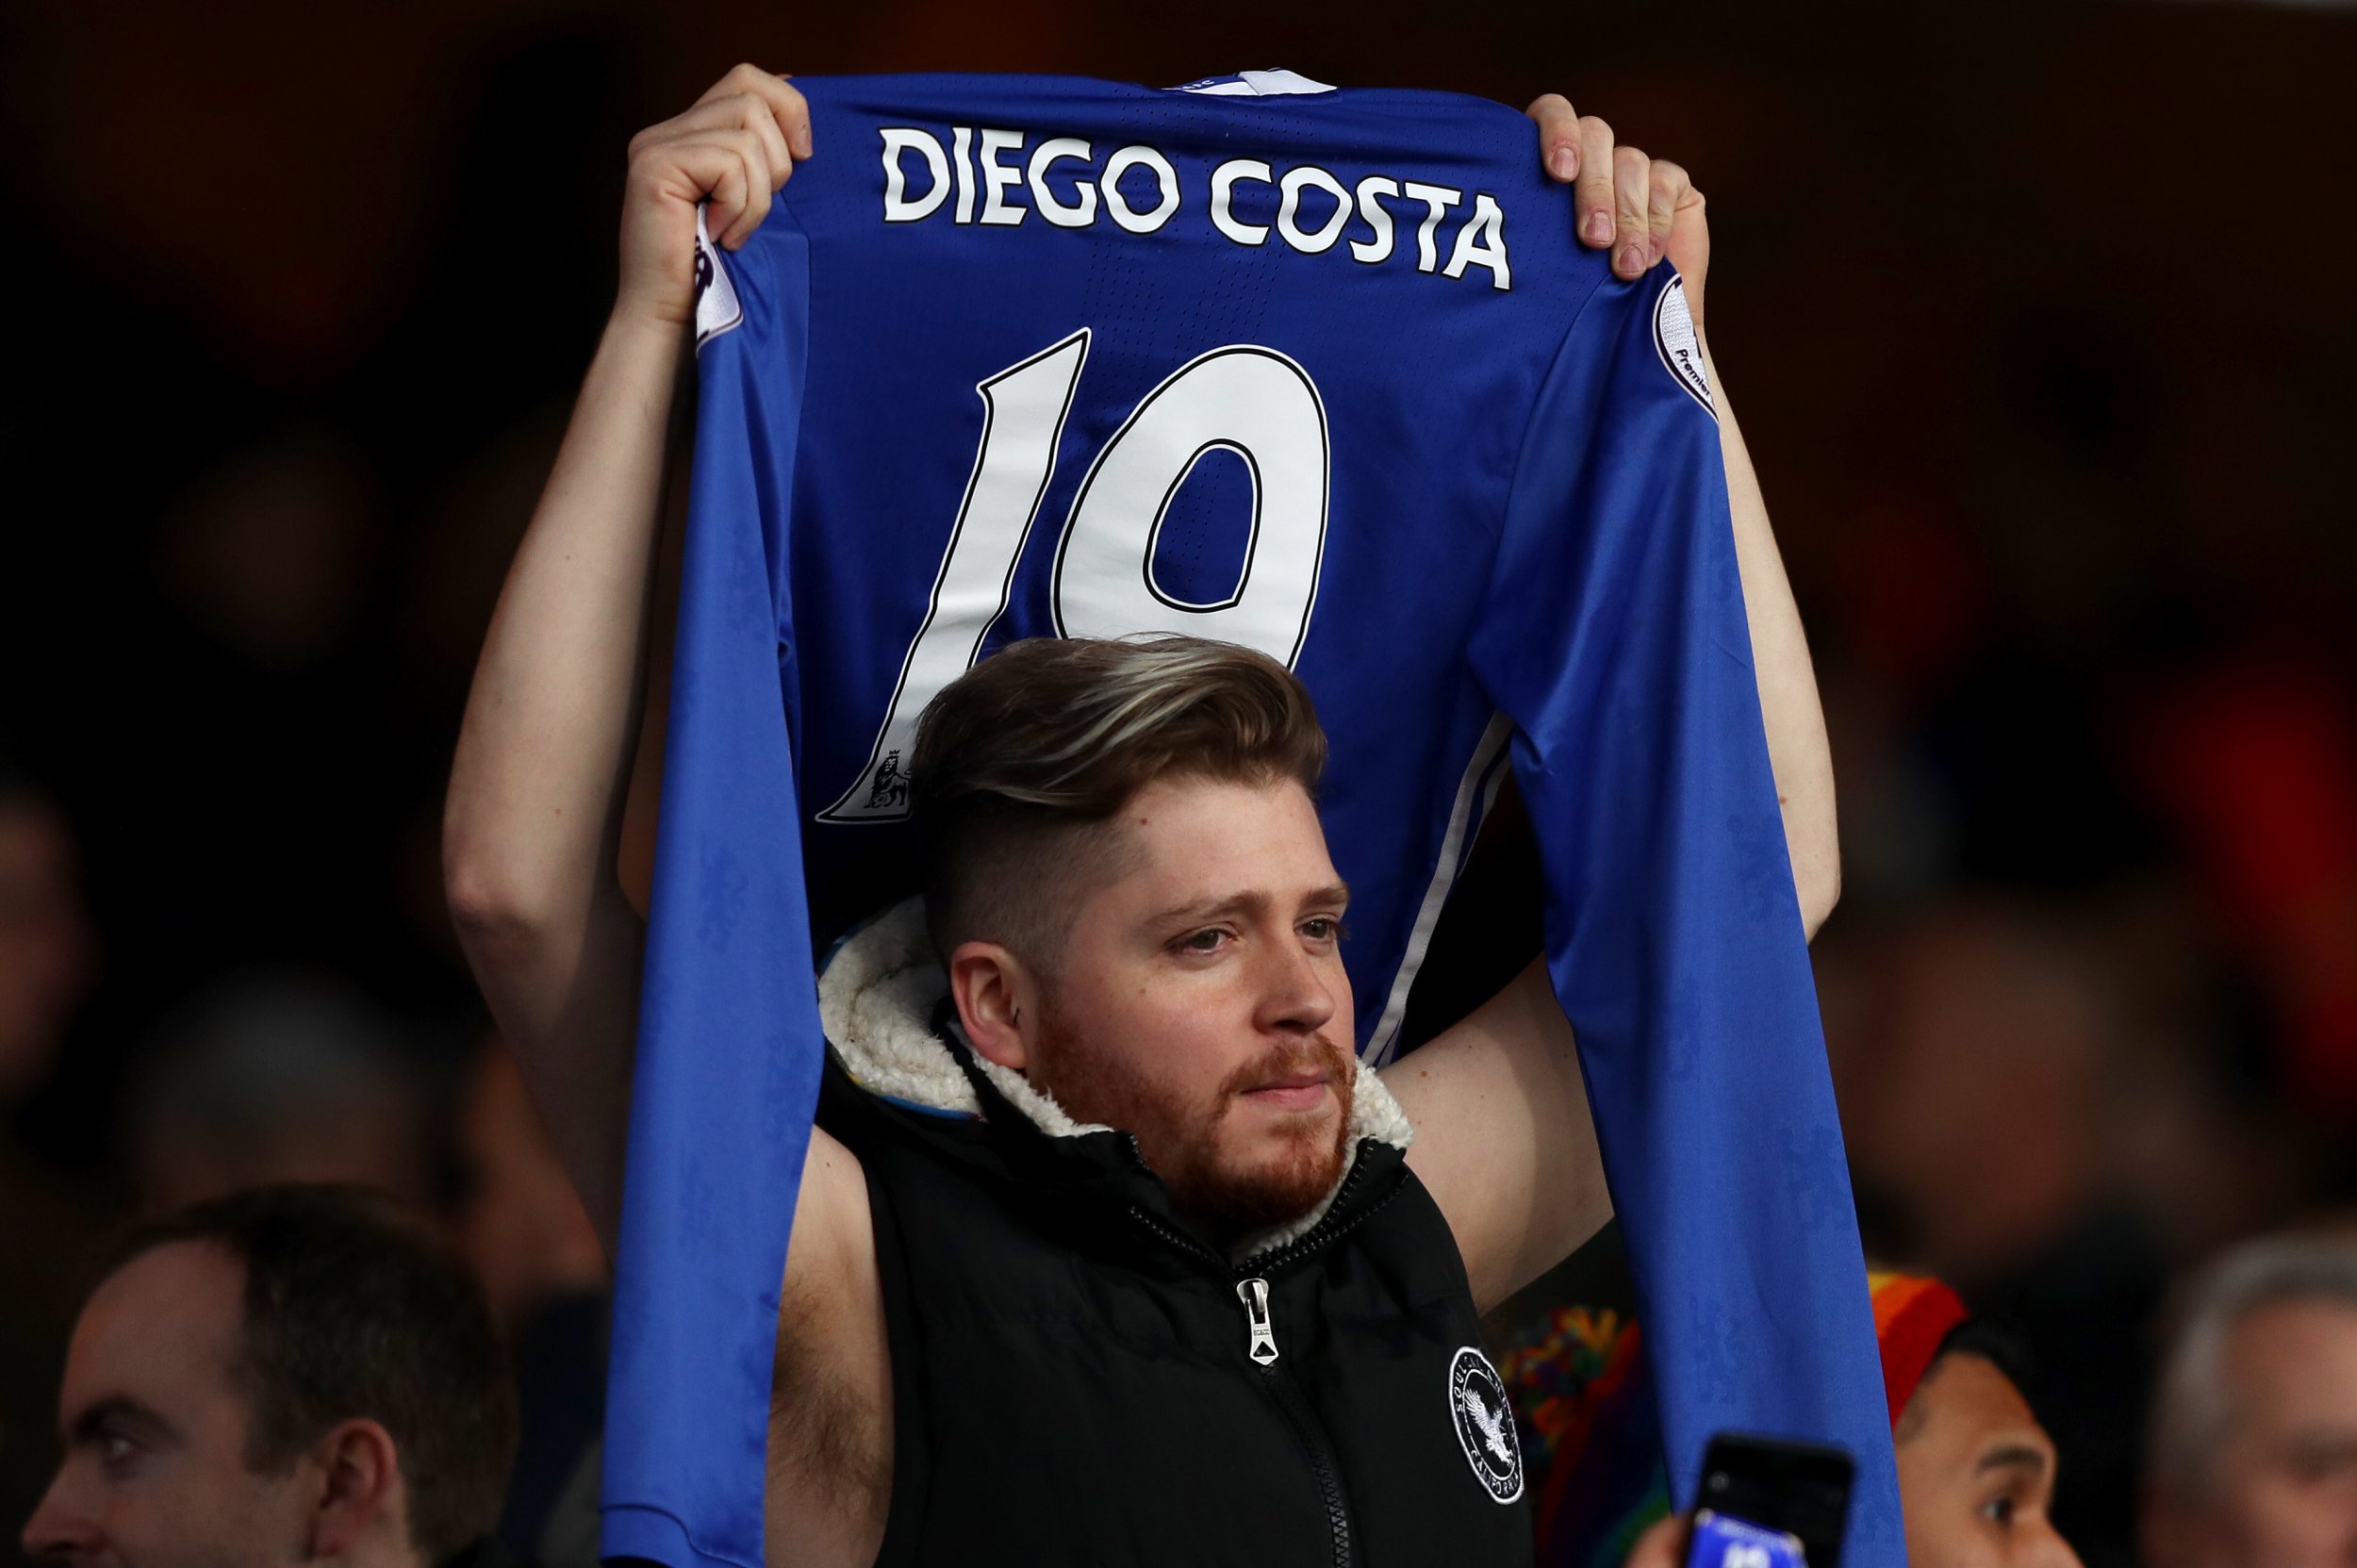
x=1318, y=371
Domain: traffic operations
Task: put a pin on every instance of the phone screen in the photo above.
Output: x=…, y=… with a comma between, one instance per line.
x=1801, y=1489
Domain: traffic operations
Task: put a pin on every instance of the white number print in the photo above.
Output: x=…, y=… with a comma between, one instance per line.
x=1024, y=408
x=1255, y=404
x=1249, y=400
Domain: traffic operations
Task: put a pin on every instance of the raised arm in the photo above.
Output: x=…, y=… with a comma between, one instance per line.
x=1645, y=210
x=1504, y=1139
x=532, y=824
x=1798, y=750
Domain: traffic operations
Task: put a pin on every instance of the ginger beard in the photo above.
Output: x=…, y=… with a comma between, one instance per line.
x=1283, y=1175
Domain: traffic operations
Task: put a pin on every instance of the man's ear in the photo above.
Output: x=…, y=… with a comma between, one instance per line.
x=997, y=1001
x=360, y=1494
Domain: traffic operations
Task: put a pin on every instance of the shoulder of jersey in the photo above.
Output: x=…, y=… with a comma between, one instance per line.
x=1680, y=348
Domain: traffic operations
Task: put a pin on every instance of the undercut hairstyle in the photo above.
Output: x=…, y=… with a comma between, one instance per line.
x=355, y=1308
x=2194, y=1407
x=1023, y=762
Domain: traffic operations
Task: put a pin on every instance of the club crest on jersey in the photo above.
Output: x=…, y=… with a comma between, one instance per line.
x=718, y=307
x=1484, y=1418
x=1681, y=351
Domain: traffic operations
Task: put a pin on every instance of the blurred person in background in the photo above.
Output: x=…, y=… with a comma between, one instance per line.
x=264, y=568
x=1976, y=1471
x=279, y=1078
x=544, y=1272
x=1983, y=1084
x=293, y=1374
x=49, y=960
x=2253, y=1454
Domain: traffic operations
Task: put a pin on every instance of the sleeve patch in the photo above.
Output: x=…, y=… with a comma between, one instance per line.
x=1681, y=351
x=717, y=309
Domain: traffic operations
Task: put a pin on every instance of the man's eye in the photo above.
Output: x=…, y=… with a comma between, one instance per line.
x=1999, y=1510
x=1321, y=928
x=115, y=1449
x=1203, y=941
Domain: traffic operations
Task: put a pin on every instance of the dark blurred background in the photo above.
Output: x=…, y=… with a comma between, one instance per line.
x=2037, y=318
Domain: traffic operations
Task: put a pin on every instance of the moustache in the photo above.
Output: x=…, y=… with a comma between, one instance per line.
x=1291, y=1060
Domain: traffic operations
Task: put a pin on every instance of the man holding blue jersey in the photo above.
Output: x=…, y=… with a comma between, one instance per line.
x=1107, y=1252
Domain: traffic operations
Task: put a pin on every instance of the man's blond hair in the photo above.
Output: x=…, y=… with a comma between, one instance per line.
x=1022, y=763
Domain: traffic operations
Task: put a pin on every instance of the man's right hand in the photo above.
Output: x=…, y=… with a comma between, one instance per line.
x=734, y=149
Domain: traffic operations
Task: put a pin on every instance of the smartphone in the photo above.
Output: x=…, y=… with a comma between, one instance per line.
x=1764, y=1500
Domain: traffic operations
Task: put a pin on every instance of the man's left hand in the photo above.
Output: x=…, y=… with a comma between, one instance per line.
x=1642, y=207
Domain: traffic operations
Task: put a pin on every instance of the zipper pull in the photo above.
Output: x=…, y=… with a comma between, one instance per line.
x=1253, y=1294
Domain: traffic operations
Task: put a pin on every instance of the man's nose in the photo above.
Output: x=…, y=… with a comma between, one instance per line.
x=1297, y=993
x=57, y=1529
x=2054, y=1551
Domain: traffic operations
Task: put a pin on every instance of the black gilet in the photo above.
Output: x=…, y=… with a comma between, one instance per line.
x=1078, y=1380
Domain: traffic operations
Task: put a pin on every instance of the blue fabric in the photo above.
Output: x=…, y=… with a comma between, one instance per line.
x=1466, y=507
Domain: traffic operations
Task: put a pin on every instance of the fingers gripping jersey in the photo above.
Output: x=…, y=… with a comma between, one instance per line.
x=1323, y=373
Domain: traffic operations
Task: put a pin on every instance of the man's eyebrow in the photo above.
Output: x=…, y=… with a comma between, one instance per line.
x=2012, y=1456
x=1243, y=903
x=1332, y=893
x=1210, y=909
x=92, y=1421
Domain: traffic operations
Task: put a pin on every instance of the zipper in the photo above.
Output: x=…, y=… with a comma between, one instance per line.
x=1252, y=1291
x=1325, y=1230
x=1262, y=1344
x=1324, y=1468
x=1171, y=1236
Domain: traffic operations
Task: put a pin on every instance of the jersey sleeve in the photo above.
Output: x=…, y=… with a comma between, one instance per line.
x=729, y=1046
x=1616, y=642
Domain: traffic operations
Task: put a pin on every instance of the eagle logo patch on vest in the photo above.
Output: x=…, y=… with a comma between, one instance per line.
x=1484, y=1416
